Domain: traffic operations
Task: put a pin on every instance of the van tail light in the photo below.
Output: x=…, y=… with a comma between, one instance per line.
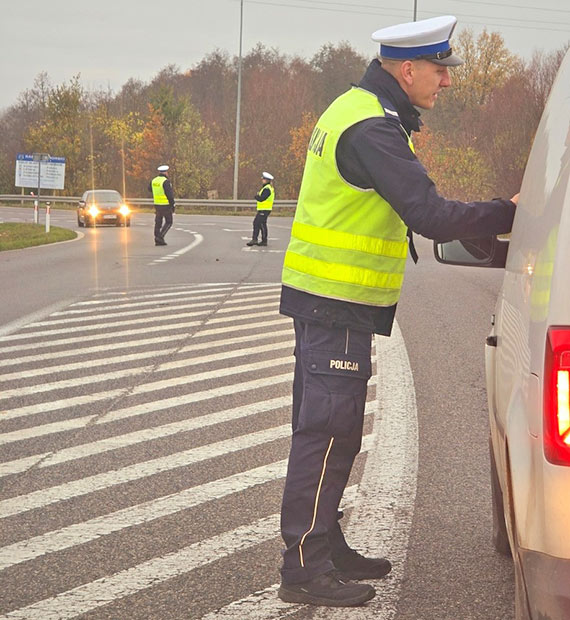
x=557, y=396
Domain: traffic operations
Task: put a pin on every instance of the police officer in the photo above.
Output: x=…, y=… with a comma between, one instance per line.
x=163, y=197
x=265, y=198
x=363, y=192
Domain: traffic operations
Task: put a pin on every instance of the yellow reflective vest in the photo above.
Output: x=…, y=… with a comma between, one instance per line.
x=158, y=194
x=346, y=243
x=267, y=204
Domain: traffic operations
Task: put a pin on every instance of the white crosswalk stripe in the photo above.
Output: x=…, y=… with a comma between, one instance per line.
x=186, y=386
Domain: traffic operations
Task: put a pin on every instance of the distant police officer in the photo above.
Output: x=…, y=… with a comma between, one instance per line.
x=265, y=198
x=163, y=197
x=363, y=188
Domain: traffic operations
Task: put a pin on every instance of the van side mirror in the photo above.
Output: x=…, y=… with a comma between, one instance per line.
x=486, y=252
x=81, y=203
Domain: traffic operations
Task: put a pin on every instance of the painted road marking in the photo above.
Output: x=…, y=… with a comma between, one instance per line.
x=222, y=328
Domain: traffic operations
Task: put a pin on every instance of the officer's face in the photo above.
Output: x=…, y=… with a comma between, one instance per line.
x=427, y=81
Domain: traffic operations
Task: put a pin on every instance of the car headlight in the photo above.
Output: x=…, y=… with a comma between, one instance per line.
x=124, y=210
x=93, y=211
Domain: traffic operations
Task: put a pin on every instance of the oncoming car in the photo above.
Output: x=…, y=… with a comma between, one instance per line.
x=527, y=359
x=103, y=206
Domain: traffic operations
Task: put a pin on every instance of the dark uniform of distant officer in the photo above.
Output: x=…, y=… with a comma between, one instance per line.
x=265, y=198
x=163, y=198
x=363, y=189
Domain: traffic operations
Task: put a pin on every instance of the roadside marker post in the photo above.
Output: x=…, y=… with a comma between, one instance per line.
x=36, y=217
x=48, y=207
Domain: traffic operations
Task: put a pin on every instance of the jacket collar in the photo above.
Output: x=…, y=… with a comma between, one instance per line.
x=382, y=84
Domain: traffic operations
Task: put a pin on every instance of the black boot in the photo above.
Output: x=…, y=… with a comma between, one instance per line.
x=327, y=590
x=352, y=565
x=252, y=242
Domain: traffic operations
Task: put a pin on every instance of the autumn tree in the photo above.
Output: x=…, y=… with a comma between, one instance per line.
x=488, y=65
x=213, y=91
x=294, y=160
x=336, y=67
x=460, y=173
x=474, y=143
x=62, y=131
x=197, y=160
x=146, y=150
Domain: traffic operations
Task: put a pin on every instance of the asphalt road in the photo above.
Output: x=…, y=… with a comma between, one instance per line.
x=144, y=431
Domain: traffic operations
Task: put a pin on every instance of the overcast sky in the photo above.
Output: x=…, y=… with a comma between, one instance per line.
x=110, y=41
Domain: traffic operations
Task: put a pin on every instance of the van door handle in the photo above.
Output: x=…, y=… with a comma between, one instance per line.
x=491, y=341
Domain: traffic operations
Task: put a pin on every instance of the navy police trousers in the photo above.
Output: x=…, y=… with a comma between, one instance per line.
x=332, y=368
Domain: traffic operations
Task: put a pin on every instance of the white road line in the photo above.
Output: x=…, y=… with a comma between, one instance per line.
x=382, y=523
x=92, y=337
x=263, y=250
x=88, y=399
x=123, y=373
x=381, y=520
x=102, y=318
x=93, y=529
x=57, y=427
x=148, y=434
x=113, y=416
x=22, y=321
x=150, y=407
x=46, y=357
x=133, y=332
x=139, y=301
x=122, y=359
x=93, y=364
x=9, y=468
x=19, y=465
x=27, y=433
x=179, y=304
x=90, y=484
x=76, y=382
x=10, y=414
x=111, y=346
x=119, y=359
x=81, y=533
x=108, y=589
x=155, y=322
x=197, y=241
x=137, y=332
x=106, y=299
x=201, y=287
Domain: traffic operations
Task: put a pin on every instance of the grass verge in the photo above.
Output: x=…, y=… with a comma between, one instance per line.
x=14, y=236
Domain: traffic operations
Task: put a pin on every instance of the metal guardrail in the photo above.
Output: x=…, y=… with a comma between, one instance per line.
x=182, y=202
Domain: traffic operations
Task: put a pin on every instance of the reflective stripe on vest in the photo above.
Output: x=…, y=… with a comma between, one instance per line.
x=158, y=194
x=267, y=204
x=346, y=243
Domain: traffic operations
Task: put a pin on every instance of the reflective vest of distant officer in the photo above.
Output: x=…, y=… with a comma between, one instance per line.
x=163, y=198
x=265, y=198
x=348, y=244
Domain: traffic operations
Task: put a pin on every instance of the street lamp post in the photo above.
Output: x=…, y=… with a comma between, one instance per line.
x=236, y=155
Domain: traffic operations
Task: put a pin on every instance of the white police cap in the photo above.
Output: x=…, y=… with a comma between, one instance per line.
x=427, y=39
x=163, y=168
x=268, y=176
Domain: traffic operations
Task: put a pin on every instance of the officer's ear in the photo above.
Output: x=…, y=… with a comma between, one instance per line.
x=407, y=70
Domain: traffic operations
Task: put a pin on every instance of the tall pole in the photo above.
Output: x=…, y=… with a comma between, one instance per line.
x=415, y=10
x=236, y=155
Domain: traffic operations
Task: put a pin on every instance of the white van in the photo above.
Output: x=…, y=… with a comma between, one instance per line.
x=528, y=369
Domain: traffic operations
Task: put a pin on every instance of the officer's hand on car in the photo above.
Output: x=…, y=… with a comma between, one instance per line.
x=515, y=198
